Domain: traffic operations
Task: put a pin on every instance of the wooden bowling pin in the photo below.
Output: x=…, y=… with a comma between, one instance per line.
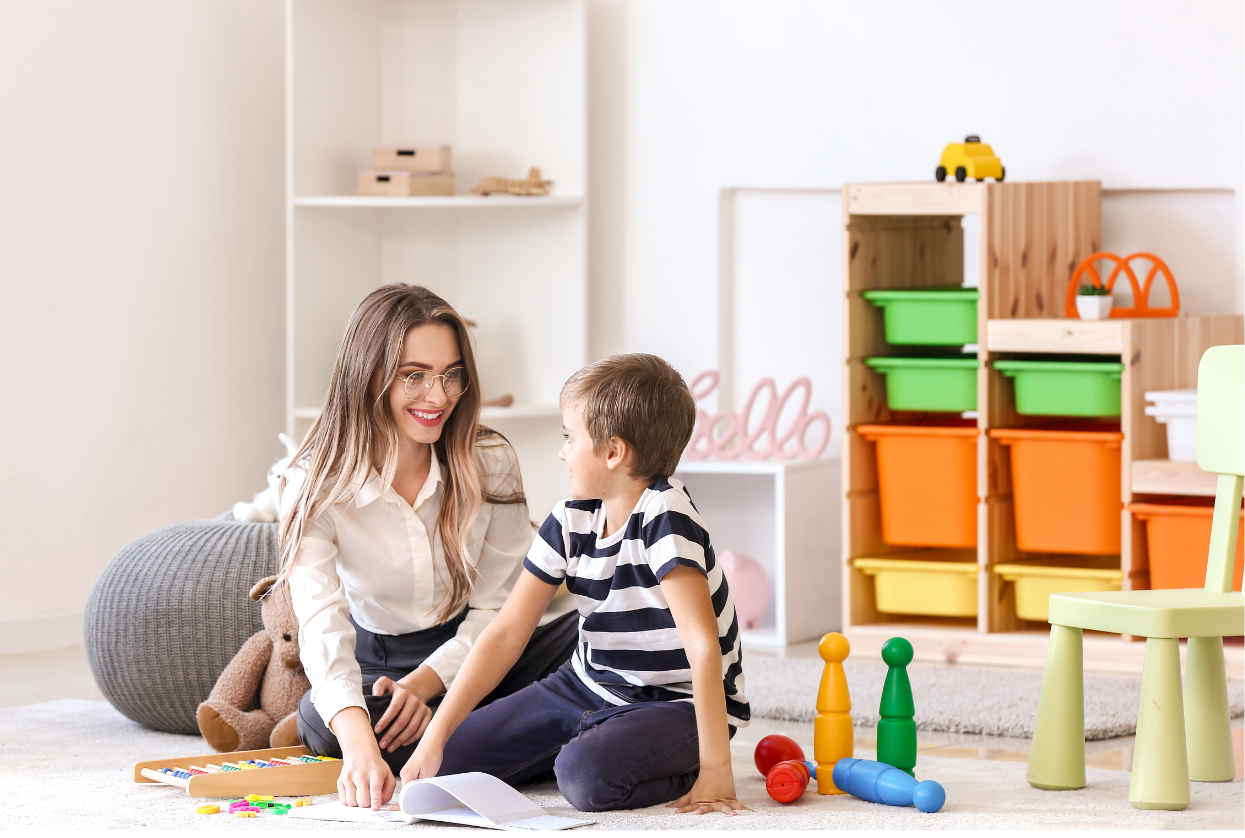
x=832, y=730
x=897, y=725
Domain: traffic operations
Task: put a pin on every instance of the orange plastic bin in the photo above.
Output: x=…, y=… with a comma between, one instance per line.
x=927, y=483
x=1065, y=489
x=1178, y=538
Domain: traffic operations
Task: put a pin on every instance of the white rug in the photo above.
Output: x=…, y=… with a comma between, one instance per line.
x=67, y=765
x=955, y=699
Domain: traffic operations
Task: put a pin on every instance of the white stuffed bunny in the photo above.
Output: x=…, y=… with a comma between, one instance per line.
x=265, y=509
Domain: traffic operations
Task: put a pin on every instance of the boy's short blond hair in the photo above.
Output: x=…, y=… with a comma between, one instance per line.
x=641, y=400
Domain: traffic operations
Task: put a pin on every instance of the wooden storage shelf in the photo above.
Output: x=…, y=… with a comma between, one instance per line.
x=1164, y=477
x=1032, y=235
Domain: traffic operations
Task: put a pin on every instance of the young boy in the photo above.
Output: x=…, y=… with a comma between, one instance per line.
x=644, y=711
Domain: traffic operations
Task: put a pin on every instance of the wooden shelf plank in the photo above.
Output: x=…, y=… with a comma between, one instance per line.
x=1059, y=335
x=915, y=198
x=1165, y=477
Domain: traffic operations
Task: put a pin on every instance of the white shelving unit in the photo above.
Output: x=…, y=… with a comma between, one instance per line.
x=504, y=83
x=778, y=514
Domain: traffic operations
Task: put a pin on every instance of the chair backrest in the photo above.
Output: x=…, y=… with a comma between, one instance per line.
x=1221, y=450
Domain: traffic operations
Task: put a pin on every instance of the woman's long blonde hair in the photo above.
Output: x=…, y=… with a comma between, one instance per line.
x=336, y=454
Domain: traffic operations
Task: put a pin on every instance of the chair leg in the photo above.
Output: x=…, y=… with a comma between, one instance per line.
x=1160, y=761
x=1208, y=730
x=1057, y=759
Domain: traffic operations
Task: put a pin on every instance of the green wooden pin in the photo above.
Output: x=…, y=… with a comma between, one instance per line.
x=897, y=727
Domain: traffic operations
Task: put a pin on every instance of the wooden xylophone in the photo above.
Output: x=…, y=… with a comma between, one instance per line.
x=273, y=771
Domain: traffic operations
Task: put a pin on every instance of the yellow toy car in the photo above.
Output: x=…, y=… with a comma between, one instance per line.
x=971, y=158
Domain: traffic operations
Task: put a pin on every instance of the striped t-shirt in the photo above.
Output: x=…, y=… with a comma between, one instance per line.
x=629, y=649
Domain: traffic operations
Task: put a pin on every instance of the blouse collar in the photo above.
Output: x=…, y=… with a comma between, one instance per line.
x=371, y=489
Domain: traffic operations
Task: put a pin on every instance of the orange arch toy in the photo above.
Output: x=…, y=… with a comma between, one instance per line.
x=1141, y=291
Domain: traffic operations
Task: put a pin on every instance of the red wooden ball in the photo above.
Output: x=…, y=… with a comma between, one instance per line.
x=787, y=780
x=774, y=749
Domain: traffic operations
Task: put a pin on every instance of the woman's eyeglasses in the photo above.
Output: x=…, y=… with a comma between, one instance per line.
x=419, y=383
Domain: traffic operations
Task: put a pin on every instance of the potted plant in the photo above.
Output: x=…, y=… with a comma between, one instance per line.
x=1093, y=302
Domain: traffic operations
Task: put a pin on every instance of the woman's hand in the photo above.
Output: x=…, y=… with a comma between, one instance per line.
x=404, y=720
x=713, y=791
x=365, y=779
x=425, y=762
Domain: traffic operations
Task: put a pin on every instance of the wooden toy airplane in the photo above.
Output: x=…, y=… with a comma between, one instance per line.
x=532, y=186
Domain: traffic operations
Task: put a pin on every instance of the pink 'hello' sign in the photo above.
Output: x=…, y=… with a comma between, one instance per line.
x=726, y=435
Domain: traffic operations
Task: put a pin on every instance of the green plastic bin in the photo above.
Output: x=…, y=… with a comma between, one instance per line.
x=1065, y=388
x=940, y=316
x=938, y=384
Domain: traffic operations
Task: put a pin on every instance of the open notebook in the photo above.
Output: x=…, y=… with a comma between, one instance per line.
x=472, y=799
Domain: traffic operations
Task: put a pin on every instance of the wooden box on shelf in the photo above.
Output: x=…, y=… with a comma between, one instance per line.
x=1032, y=235
x=405, y=184
x=413, y=158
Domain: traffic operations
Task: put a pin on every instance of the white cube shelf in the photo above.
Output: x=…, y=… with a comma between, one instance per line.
x=781, y=515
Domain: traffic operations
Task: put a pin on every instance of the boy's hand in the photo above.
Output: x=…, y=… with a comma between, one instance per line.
x=404, y=720
x=713, y=791
x=425, y=762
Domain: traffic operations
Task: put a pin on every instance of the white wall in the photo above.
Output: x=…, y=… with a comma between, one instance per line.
x=141, y=269
x=693, y=96
x=140, y=208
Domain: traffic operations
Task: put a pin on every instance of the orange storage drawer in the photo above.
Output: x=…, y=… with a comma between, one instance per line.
x=927, y=484
x=1178, y=539
x=1065, y=489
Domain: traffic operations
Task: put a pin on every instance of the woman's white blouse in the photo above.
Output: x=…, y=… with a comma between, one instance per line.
x=377, y=558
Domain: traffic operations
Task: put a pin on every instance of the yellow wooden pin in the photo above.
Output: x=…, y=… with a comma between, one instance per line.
x=833, y=738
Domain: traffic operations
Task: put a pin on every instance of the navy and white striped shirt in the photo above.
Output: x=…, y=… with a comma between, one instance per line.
x=629, y=649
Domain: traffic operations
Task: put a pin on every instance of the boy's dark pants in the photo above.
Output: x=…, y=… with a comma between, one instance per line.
x=604, y=757
x=397, y=656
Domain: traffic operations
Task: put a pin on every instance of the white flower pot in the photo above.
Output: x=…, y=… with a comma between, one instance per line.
x=1093, y=308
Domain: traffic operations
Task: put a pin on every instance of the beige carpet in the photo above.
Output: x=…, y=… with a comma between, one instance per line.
x=67, y=765
x=951, y=698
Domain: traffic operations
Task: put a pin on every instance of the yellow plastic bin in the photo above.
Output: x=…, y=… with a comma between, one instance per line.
x=927, y=586
x=1036, y=579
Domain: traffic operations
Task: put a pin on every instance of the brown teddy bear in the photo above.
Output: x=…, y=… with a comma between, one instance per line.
x=267, y=663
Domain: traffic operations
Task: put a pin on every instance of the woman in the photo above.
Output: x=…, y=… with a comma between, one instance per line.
x=404, y=527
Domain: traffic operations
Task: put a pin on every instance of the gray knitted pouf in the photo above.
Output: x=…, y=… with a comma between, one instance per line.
x=170, y=611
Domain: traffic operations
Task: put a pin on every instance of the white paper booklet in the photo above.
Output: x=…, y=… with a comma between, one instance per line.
x=473, y=799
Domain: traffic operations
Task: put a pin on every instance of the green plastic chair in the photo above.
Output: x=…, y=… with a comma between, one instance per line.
x=1179, y=737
